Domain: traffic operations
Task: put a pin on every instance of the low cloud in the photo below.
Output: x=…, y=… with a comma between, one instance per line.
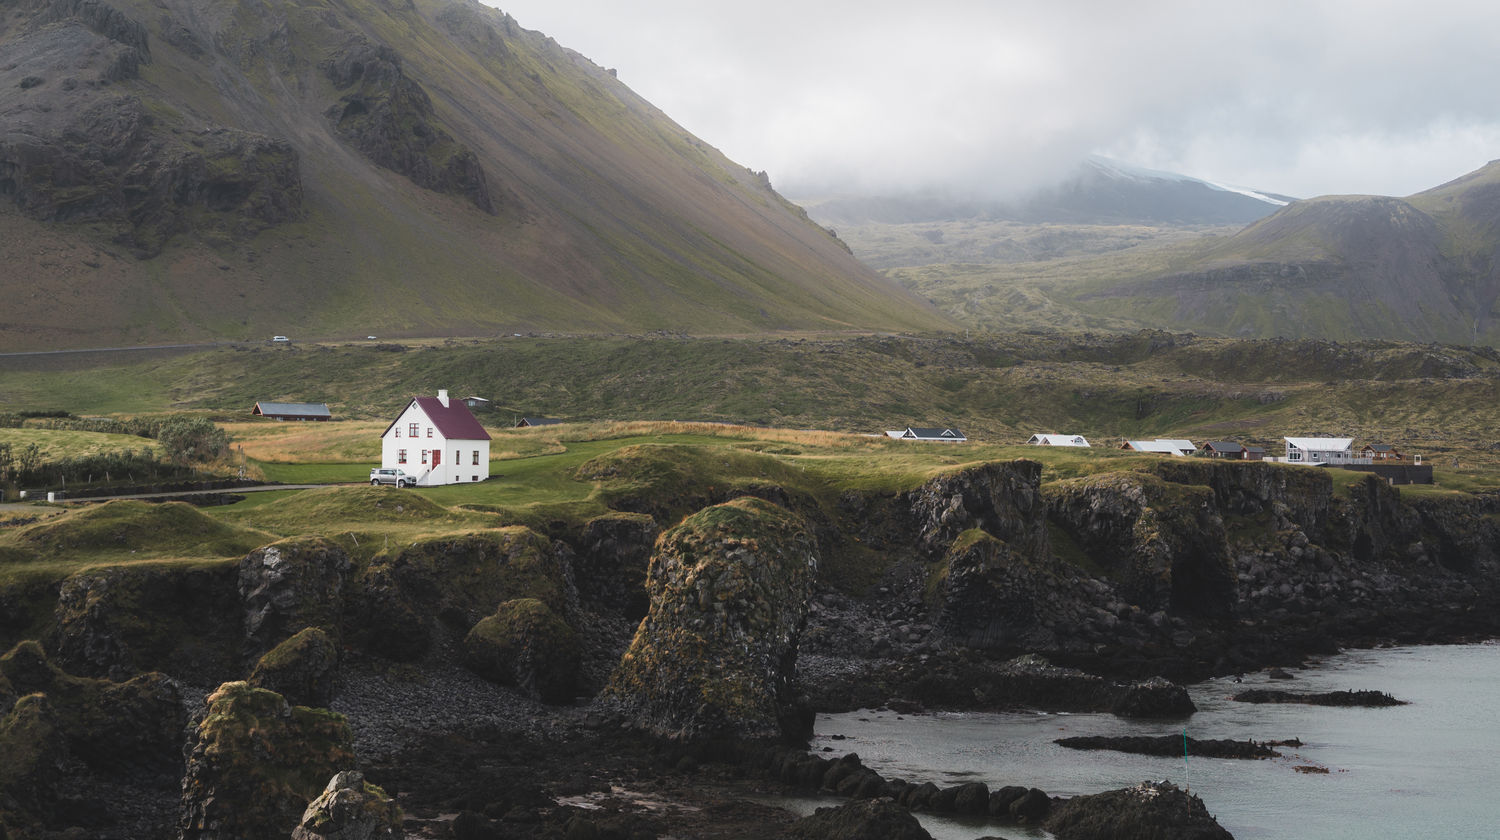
x=993, y=99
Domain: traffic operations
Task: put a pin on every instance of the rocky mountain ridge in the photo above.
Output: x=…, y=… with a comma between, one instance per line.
x=223, y=170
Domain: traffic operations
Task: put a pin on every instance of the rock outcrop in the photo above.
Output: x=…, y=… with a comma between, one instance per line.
x=1148, y=811
x=525, y=644
x=389, y=118
x=350, y=808
x=301, y=669
x=862, y=819
x=1002, y=499
x=256, y=762
x=614, y=553
x=716, y=655
x=446, y=585
x=289, y=586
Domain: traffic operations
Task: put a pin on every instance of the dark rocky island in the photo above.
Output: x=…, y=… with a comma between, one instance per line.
x=1366, y=699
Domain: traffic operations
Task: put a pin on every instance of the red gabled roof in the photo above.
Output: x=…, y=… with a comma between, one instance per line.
x=455, y=421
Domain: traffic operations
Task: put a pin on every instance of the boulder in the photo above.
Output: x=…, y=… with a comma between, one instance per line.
x=35, y=760
x=291, y=585
x=716, y=655
x=302, y=669
x=1148, y=811
x=863, y=819
x=256, y=762
x=526, y=645
x=350, y=808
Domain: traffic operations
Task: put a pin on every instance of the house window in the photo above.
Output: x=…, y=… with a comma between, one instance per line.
x=429, y=431
x=400, y=456
x=1295, y=456
x=473, y=478
x=398, y=431
x=476, y=457
x=411, y=429
x=424, y=456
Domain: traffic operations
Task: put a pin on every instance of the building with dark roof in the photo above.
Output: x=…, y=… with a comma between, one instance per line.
x=292, y=411
x=437, y=440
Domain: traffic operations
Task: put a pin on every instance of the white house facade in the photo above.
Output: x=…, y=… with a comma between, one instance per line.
x=437, y=441
x=1318, y=451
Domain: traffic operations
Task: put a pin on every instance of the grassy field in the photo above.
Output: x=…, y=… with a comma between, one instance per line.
x=55, y=444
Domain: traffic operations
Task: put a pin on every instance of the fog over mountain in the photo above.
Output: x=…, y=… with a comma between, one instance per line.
x=995, y=100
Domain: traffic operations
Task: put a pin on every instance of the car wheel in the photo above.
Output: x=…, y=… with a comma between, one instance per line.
x=374, y=482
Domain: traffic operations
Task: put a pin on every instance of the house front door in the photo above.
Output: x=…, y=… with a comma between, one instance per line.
x=437, y=457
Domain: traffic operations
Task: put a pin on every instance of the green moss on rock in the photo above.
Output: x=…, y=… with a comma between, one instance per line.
x=257, y=762
x=526, y=644
x=716, y=655
x=301, y=669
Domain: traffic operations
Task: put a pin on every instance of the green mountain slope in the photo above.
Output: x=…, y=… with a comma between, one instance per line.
x=180, y=170
x=1420, y=268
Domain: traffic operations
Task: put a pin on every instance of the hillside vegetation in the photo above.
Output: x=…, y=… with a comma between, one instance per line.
x=188, y=170
x=1431, y=399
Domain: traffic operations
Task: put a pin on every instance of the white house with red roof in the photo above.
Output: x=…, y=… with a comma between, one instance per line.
x=438, y=441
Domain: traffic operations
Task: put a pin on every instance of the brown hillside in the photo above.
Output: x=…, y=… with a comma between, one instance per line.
x=179, y=170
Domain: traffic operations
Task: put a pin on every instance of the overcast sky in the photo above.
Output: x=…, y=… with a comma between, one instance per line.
x=1305, y=98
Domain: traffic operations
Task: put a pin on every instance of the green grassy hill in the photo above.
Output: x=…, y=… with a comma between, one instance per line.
x=196, y=170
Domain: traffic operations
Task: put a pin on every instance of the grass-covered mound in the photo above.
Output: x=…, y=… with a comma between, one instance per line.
x=527, y=645
x=668, y=481
x=385, y=511
x=133, y=529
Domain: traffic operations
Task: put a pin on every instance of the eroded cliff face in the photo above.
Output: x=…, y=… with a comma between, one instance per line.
x=716, y=655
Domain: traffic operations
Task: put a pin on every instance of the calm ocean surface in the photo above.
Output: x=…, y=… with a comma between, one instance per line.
x=1427, y=770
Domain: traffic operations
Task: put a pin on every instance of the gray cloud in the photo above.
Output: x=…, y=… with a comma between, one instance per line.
x=1304, y=98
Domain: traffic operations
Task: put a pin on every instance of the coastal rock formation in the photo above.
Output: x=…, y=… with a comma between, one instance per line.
x=350, y=808
x=614, y=553
x=1170, y=745
x=993, y=597
x=119, y=621
x=525, y=644
x=301, y=669
x=1148, y=811
x=862, y=819
x=36, y=760
x=716, y=655
x=256, y=762
x=1363, y=699
x=1002, y=499
x=446, y=585
x=289, y=586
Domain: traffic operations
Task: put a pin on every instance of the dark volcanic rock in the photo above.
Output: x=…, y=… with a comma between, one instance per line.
x=1154, y=698
x=716, y=655
x=446, y=585
x=302, y=669
x=289, y=586
x=865, y=819
x=388, y=117
x=526, y=644
x=36, y=759
x=1170, y=745
x=613, y=555
x=256, y=763
x=134, y=727
x=1002, y=499
x=1326, y=698
x=1148, y=811
x=350, y=809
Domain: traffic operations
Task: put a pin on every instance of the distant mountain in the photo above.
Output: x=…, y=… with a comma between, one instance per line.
x=198, y=169
x=1426, y=268
x=1100, y=192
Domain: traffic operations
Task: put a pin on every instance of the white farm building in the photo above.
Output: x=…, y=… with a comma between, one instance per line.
x=438, y=441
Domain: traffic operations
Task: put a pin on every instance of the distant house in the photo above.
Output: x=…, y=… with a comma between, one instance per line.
x=1381, y=452
x=528, y=422
x=1255, y=453
x=1058, y=440
x=1163, y=446
x=292, y=411
x=940, y=435
x=438, y=441
x=1319, y=451
x=1224, y=449
x=476, y=402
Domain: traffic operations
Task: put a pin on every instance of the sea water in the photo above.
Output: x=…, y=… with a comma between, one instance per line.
x=1429, y=769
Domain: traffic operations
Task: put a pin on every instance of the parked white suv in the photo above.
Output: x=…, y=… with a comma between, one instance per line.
x=388, y=475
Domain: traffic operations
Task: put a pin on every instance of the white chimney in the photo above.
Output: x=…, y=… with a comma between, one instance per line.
x=443, y=396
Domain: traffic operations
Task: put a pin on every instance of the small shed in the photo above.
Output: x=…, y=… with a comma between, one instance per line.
x=1225, y=449
x=292, y=411
x=528, y=422
x=1255, y=453
x=1162, y=446
x=476, y=402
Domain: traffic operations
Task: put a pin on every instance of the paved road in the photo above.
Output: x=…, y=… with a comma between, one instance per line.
x=14, y=505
